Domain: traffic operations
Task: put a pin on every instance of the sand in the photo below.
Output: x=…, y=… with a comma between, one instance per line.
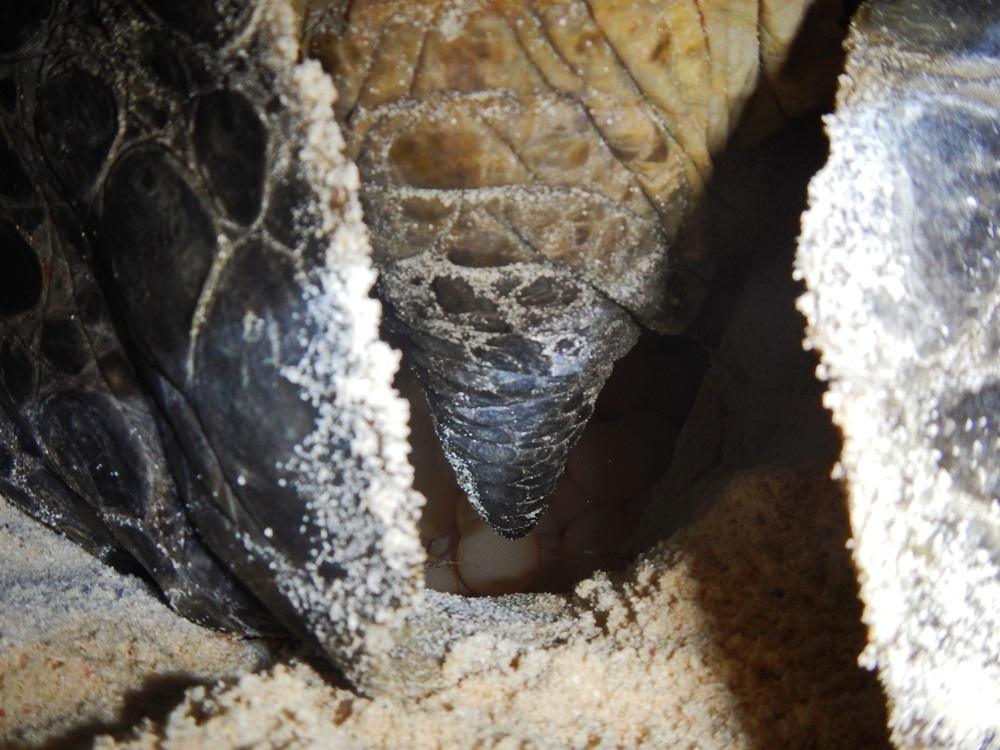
x=83, y=647
x=736, y=636
x=741, y=631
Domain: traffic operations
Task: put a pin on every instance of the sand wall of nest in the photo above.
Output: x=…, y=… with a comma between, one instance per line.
x=743, y=631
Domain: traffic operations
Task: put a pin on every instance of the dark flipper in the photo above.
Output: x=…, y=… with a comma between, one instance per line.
x=83, y=439
x=190, y=367
x=901, y=254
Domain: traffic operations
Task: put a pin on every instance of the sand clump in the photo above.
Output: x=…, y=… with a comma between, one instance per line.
x=741, y=631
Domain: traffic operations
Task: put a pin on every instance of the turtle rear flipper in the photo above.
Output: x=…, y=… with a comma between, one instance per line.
x=192, y=355
x=901, y=255
x=195, y=357
x=511, y=384
x=81, y=439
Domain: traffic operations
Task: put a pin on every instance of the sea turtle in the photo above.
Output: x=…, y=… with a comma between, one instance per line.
x=532, y=174
x=190, y=367
x=900, y=250
x=191, y=374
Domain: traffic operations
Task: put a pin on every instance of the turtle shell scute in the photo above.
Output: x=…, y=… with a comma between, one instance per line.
x=64, y=345
x=89, y=440
x=76, y=120
x=21, y=280
x=231, y=144
x=158, y=243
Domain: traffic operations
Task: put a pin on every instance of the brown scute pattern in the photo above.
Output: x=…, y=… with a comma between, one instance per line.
x=534, y=99
x=484, y=250
x=510, y=137
x=450, y=157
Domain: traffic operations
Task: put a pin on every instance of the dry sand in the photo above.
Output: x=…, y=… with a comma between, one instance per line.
x=742, y=631
x=84, y=648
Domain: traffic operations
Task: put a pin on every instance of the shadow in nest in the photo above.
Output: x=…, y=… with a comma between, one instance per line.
x=773, y=570
x=158, y=696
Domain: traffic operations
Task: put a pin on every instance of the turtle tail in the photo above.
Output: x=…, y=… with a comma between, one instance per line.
x=509, y=404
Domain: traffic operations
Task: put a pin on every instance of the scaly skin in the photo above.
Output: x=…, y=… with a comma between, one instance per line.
x=532, y=173
x=190, y=370
x=900, y=251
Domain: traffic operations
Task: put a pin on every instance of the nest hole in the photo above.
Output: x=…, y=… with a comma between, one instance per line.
x=753, y=206
x=596, y=508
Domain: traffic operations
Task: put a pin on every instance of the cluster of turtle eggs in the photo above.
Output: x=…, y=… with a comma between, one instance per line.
x=625, y=449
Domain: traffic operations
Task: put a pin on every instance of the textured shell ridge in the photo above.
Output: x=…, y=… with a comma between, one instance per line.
x=507, y=145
